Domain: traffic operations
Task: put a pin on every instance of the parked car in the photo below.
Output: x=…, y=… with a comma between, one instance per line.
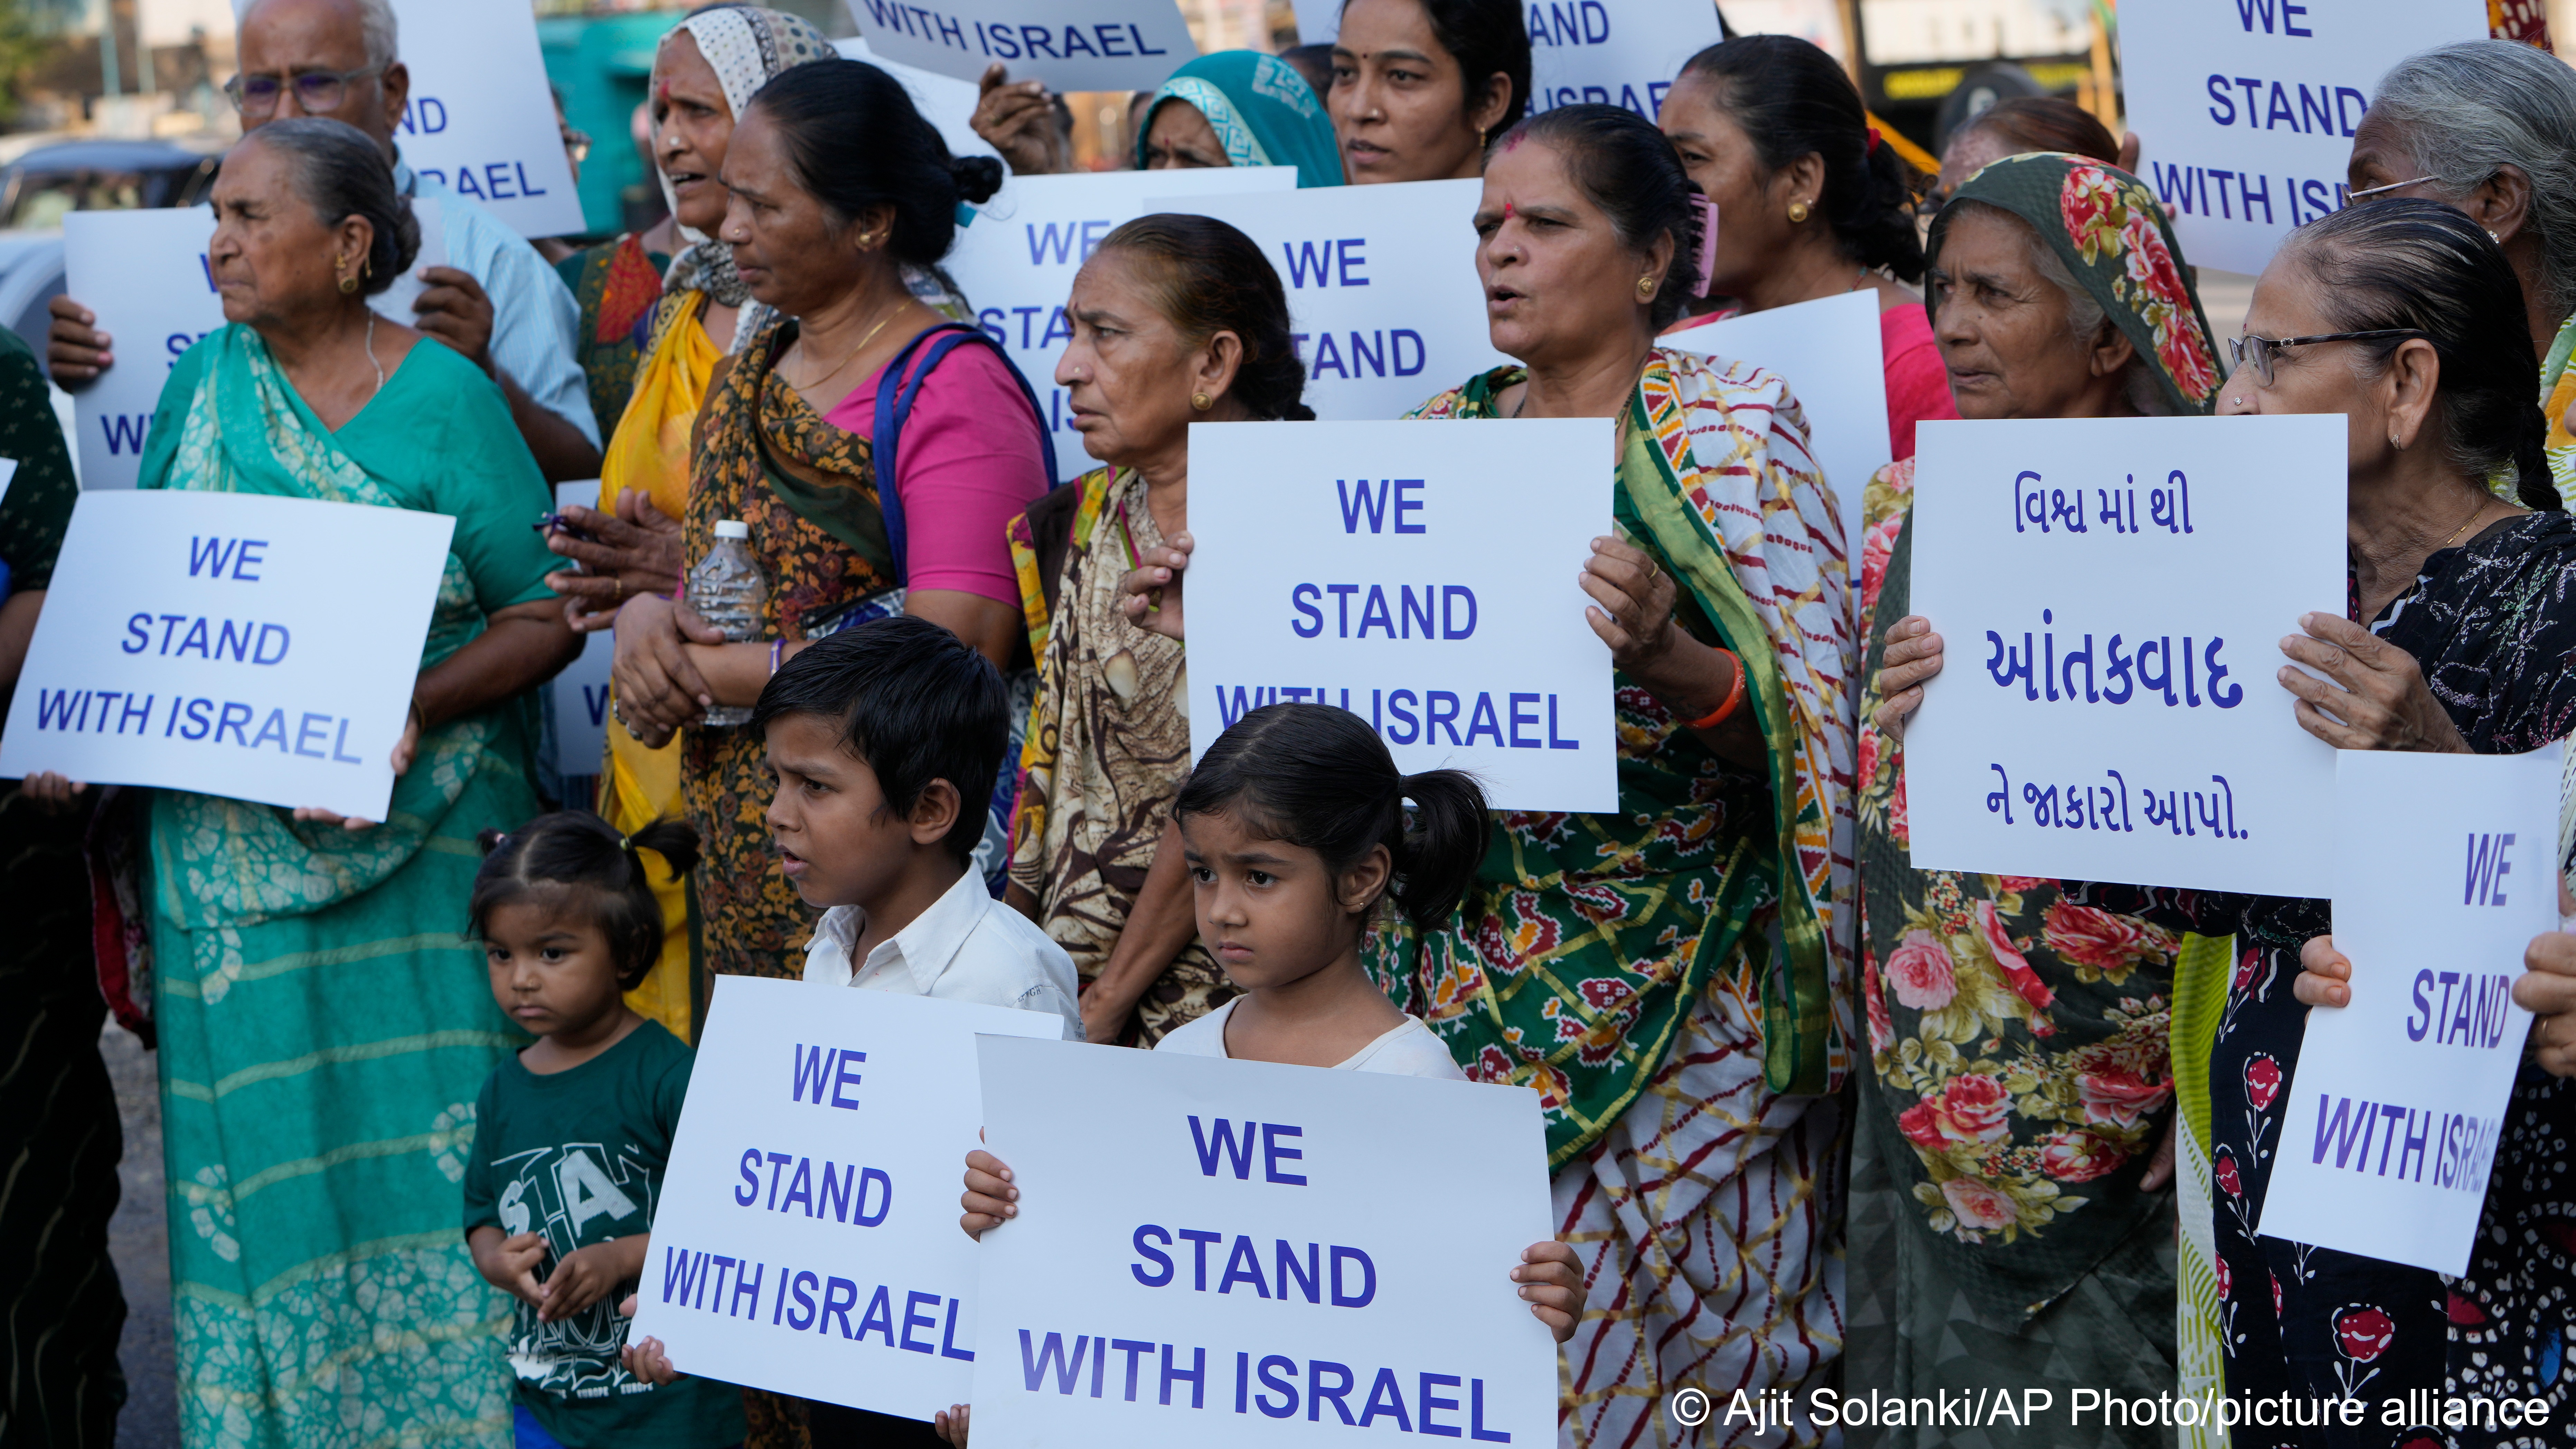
x=40, y=186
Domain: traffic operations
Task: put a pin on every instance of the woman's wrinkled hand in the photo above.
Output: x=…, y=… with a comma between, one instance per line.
x=2325, y=974
x=1152, y=590
x=990, y=1199
x=636, y=550
x=1632, y=606
x=2547, y=989
x=658, y=689
x=2373, y=696
x=1912, y=657
x=1017, y=118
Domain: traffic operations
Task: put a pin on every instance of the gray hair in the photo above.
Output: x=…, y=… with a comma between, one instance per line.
x=376, y=23
x=2085, y=318
x=340, y=173
x=2470, y=110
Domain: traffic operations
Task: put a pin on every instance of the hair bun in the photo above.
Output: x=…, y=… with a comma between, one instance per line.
x=978, y=177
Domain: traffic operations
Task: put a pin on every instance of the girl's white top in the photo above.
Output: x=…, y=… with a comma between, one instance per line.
x=1408, y=1050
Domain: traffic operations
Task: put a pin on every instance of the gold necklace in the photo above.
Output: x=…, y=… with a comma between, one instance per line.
x=2463, y=528
x=847, y=357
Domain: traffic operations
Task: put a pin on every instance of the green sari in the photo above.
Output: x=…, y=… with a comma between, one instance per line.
x=325, y=1025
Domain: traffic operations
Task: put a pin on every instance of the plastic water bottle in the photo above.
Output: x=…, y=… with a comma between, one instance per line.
x=727, y=590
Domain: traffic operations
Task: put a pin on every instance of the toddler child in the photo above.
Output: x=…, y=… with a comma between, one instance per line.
x=573, y=1133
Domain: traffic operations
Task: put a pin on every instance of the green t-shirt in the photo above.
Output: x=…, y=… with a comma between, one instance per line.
x=579, y=1157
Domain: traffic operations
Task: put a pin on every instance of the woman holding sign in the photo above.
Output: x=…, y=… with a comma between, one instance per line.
x=1970, y=980
x=1617, y=962
x=2406, y=318
x=324, y=1028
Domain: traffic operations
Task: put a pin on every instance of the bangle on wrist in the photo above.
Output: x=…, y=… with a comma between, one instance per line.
x=1727, y=706
x=777, y=654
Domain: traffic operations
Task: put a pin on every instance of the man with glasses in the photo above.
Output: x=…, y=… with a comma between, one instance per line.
x=497, y=302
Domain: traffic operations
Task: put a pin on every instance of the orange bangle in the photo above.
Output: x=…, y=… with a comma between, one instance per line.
x=1726, y=706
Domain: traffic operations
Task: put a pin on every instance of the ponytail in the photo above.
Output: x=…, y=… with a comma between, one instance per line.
x=1318, y=777
x=571, y=859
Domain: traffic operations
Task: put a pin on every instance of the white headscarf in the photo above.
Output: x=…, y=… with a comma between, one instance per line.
x=747, y=48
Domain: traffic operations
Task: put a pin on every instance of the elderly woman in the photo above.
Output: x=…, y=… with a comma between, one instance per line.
x=1419, y=86
x=1238, y=108
x=323, y=1028
x=2406, y=318
x=705, y=72
x=837, y=184
x=1811, y=204
x=1666, y=976
x=1176, y=320
x=1978, y=1261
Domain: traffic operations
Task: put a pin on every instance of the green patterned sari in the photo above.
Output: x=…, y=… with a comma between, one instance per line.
x=325, y=1026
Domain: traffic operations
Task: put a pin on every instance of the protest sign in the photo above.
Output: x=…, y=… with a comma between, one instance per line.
x=145, y=276
x=946, y=102
x=1829, y=350
x=1016, y=262
x=1238, y=1219
x=1319, y=22
x=1614, y=52
x=2112, y=594
x=807, y=1238
x=1072, y=45
x=1435, y=597
x=2248, y=107
x=207, y=642
x=2444, y=870
x=580, y=693
x=1383, y=296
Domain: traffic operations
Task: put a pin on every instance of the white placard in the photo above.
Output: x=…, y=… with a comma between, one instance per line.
x=1831, y=352
x=1227, y=1280
x=580, y=693
x=1614, y=52
x=2443, y=873
x=1017, y=259
x=1434, y=597
x=1382, y=288
x=946, y=102
x=1319, y=22
x=146, y=277
x=204, y=641
x=2248, y=107
x=807, y=1237
x=1072, y=45
x=481, y=117
x=8, y=475
x=2109, y=708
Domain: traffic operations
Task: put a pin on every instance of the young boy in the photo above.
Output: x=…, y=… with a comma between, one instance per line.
x=884, y=740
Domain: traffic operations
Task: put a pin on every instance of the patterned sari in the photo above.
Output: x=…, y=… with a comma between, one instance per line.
x=616, y=284
x=325, y=1025
x=1672, y=978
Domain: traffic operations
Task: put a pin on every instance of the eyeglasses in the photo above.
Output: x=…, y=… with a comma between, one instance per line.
x=2366, y=193
x=317, y=92
x=2260, y=350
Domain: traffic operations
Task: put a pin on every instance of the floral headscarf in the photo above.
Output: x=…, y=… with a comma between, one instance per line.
x=1262, y=111
x=2107, y=229
x=747, y=48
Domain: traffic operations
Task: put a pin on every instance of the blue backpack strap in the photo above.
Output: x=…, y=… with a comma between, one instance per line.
x=895, y=395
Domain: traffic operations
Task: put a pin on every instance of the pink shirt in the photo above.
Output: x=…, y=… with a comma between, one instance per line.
x=969, y=463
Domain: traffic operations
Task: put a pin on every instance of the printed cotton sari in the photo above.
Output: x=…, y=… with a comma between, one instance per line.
x=1671, y=978
x=325, y=1024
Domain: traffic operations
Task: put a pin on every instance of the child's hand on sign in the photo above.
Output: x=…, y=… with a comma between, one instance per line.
x=645, y=1358
x=952, y=1426
x=1552, y=1283
x=989, y=1198
x=509, y=1263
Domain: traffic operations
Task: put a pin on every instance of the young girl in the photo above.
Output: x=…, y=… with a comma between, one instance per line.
x=1294, y=828
x=573, y=1133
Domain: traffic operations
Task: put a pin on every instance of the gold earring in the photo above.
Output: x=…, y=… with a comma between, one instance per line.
x=1645, y=289
x=348, y=282
x=1201, y=401
x=1798, y=211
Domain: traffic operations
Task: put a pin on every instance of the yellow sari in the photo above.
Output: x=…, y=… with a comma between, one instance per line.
x=650, y=452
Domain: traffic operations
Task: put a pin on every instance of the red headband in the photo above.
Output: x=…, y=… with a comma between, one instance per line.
x=1872, y=143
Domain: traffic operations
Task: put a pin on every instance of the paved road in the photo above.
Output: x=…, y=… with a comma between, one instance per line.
x=139, y=1237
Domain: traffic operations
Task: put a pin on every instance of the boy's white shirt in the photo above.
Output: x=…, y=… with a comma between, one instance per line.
x=966, y=947
x=1408, y=1049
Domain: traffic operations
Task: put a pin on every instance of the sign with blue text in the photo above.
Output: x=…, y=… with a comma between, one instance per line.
x=946, y=102
x=1204, y=1255
x=1017, y=259
x=481, y=117
x=1072, y=45
x=807, y=1238
x=1421, y=576
x=1614, y=52
x=1830, y=353
x=1382, y=289
x=2111, y=595
x=2444, y=870
x=579, y=695
x=2248, y=107
x=204, y=641
x=146, y=277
